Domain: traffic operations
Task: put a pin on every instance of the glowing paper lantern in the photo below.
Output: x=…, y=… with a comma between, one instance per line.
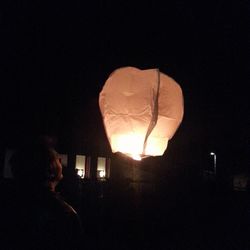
x=141, y=111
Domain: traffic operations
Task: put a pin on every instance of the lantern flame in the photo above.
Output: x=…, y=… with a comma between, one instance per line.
x=130, y=144
x=136, y=157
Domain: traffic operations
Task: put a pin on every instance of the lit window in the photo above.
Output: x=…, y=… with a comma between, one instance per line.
x=103, y=167
x=83, y=166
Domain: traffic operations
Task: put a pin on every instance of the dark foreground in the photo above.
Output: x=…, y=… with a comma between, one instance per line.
x=207, y=217
x=142, y=216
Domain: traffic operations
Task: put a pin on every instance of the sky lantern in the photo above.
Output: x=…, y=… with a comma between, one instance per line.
x=141, y=111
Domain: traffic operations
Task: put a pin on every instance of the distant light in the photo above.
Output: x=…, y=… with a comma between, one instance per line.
x=102, y=174
x=212, y=153
x=80, y=172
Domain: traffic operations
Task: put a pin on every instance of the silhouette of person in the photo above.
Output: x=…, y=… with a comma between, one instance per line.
x=35, y=216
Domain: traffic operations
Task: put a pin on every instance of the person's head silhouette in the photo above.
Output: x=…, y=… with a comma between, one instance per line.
x=37, y=163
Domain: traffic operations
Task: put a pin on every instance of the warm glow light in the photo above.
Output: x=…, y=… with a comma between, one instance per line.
x=212, y=153
x=136, y=157
x=80, y=172
x=102, y=174
x=130, y=144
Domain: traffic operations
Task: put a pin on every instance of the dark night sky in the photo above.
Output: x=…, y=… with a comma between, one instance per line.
x=56, y=57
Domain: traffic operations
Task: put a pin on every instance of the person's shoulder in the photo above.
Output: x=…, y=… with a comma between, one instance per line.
x=70, y=217
x=64, y=205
